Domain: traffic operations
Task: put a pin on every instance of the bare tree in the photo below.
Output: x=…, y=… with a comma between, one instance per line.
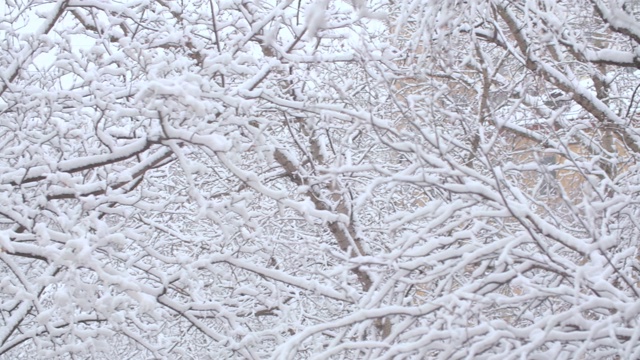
x=410, y=179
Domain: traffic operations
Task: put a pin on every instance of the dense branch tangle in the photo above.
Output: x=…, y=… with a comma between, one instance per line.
x=140, y=157
x=417, y=179
x=528, y=88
